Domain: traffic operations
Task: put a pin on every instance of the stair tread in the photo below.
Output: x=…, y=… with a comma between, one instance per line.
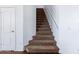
x=43, y=28
x=43, y=41
x=44, y=36
x=44, y=31
x=42, y=47
x=43, y=25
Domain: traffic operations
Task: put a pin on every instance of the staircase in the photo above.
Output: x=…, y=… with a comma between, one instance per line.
x=43, y=42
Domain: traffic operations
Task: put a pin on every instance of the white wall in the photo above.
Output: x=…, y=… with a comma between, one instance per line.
x=52, y=15
x=19, y=28
x=39, y=6
x=29, y=23
x=67, y=34
x=69, y=29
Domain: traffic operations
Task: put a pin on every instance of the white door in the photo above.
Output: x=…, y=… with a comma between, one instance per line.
x=7, y=31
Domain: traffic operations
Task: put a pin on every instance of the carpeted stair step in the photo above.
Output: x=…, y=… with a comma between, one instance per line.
x=38, y=33
x=42, y=25
x=43, y=38
x=43, y=29
x=41, y=18
x=42, y=42
x=44, y=32
x=47, y=36
x=41, y=21
x=42, y=49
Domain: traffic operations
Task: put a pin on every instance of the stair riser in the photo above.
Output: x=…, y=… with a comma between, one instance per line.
x=44, y=49
x=43, y=38
x=40, y=15
x=40, y=18
x=41, y=21
x=36, y=43
x=42, y=24
x=42, y=41
x=43, y=52
x=43, y=33
x=38, y=12
x=43, y=28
